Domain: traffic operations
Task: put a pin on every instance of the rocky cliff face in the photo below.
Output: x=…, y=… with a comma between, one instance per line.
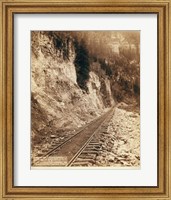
x=58, y=101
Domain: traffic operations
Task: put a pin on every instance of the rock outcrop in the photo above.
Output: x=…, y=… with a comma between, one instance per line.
x=58, y=102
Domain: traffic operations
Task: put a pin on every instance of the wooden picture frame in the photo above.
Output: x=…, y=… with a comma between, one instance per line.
x=8, y=9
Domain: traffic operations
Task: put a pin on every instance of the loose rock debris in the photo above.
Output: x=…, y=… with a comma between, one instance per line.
x=121, y=141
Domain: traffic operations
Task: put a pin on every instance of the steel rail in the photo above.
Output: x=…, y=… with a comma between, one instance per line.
x=89, y=140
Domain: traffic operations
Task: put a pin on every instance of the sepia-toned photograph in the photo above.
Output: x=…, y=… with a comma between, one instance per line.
x=85, y=99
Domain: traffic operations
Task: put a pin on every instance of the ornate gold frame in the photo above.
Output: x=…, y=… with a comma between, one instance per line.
x=8, y=9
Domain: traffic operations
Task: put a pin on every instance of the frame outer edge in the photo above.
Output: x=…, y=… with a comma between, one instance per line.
x=167, y=93
x=2, y=101
x=169, y=98
x=87, y=1
x=4, y=87
x=1, y=107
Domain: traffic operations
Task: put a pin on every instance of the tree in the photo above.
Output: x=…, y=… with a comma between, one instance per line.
x=82, y=64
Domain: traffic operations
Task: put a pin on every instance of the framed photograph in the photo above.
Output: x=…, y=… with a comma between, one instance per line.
x=85, y=99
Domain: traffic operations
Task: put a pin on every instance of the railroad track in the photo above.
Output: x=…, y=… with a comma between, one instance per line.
x=87, y=154
x=78, y=149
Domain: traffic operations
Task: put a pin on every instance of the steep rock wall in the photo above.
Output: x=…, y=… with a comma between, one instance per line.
x=57, y=100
